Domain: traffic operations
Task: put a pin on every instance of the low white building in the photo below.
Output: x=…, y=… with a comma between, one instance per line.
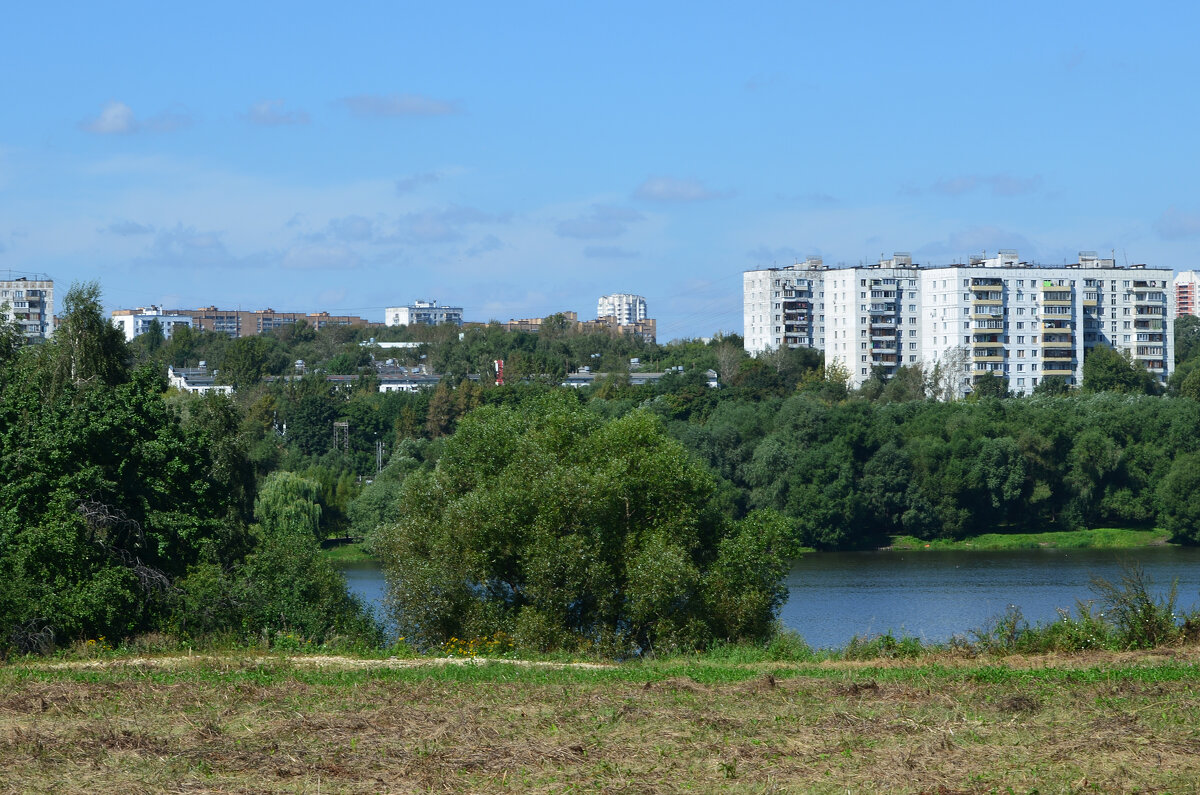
x=136, y=322
x=197, y=380
x=423, y=312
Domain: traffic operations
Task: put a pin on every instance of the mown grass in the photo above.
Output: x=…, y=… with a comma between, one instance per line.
x=946, y=723
x=1098, y=538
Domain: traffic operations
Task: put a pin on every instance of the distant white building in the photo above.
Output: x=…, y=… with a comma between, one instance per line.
x=30, y=303
x=197, y=380
x=625, y=307
x=423, y=312
x=136, y=322
x=992, y=315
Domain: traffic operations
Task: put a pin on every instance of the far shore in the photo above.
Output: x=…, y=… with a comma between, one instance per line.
x=1098, y=538
x=355, y=552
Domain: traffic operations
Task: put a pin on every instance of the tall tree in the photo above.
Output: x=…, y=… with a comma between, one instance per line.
x=87, y=349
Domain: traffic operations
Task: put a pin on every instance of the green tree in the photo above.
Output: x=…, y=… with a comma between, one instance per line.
x=569, y=531
x=1179, y=510
x=990, y=385
x=87, y=349
x=1108, y=370
x=1052, y=385
x=246, y=362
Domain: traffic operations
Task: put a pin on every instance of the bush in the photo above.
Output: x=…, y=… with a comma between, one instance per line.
x=1139, y=620
x=571, y=532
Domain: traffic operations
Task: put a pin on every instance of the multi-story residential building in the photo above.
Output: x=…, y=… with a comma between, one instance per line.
x=1016, y=320
x=1187, y=293
x=626, y=308
x=29, y=303
x=780, y=307
x=238, y=323
x=423, y=312
x=136, y=322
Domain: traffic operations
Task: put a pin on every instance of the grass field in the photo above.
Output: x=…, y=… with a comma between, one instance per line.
x=1099, y=538
x=1111, y=722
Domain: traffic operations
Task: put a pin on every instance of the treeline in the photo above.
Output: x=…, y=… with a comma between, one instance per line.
x=121, y=514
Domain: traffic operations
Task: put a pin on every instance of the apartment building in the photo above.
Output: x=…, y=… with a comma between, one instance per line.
x=423, y=312
x=785, y=307
x=136, y=322
x=29, y=303
x=625, y=308
x=1016, y=320
x=238, y=323
x=1187, y=293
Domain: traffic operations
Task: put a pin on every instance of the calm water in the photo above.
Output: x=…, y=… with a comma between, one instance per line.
x=932, y=595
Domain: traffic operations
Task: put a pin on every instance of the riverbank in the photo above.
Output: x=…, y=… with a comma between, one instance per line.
x=1099, y=538
x=352, y=553
x=284, y=724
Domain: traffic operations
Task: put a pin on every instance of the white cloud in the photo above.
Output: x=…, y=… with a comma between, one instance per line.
x=411, y=183
x=270, y=113
x=486, y=245
x=1000, y=185
x=442, y=226
x=129, y=228
x=394, y=105
x=115, y=119
x=352, y=228
x=184, y=247
x=1175, y=224
x=979, y=239
x=669, y=189
x=603, y=221
x=320, y=257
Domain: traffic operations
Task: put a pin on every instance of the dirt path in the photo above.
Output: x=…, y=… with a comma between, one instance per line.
x=1184, y=654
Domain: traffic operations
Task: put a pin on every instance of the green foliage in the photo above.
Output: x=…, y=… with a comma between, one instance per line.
x=568, y=531
x=285, y=587
x=87, y=349
x=1179, y=508
x=1140, y=620
x=1052, y=386
x=1108, y=370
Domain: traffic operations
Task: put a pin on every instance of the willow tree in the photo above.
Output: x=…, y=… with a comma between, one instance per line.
x=568, y=531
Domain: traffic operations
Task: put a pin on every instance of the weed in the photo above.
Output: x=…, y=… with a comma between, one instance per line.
x=1140, y=620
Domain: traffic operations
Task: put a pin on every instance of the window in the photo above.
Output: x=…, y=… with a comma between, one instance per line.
x=912, y=346
x=1020, y=381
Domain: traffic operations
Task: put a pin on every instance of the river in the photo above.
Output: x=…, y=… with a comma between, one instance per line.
x=928, y=594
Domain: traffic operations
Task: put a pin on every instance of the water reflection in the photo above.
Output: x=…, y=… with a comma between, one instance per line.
x=929, y=594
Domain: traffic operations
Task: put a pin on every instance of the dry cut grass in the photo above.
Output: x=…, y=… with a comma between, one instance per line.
x=1103, y=724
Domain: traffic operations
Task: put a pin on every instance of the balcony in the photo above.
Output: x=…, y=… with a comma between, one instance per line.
x=1047, y=342
x=1058, y=368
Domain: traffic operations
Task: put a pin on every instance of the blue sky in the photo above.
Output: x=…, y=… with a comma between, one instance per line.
x=524, y=158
